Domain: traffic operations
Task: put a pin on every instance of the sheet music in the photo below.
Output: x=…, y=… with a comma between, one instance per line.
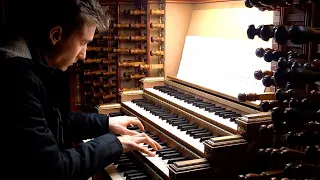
x=224, y=65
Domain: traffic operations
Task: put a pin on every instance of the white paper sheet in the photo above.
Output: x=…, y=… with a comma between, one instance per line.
x=224, y=65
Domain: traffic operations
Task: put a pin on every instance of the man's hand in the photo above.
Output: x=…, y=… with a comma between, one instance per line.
x=134, y=142
x=119, y=124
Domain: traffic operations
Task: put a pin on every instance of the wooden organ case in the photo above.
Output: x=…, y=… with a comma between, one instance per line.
x=194, y=112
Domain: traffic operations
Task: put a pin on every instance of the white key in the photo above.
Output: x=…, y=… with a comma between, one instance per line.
x=114, y=172
x=207, y=114
x=172, y=129
x=158, y=162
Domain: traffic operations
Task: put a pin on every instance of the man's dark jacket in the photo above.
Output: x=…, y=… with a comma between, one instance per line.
x=36, y=135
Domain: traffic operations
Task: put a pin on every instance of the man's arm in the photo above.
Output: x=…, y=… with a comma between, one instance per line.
x=38, y=152
x=81, y=126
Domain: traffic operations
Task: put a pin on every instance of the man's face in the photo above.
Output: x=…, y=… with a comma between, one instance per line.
x=66, y=51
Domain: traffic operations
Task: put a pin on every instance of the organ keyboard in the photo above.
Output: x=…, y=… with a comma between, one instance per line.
x=156, y=167
x=195, y=114
x=199, y=128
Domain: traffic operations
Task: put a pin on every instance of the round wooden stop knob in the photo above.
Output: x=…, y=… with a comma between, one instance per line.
x=254, y=97
x=258, y=75
x=302, y=34
x=281, y=34
x=266, y=32
x=252, y=31
x=260, y=52
x=268, y=81
x=247, y=4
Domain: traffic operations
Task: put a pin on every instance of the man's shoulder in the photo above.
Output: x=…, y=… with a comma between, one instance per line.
x=19, y=72
x=18, y=67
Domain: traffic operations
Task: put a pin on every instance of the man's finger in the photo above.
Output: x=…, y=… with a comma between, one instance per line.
x=158, y=145
x=137, y=122
x=144, y=150
x=130, y=132
x=149, y=141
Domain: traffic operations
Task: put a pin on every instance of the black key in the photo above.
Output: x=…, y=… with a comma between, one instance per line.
x=161, y=144
x=158, y=87
x=198, y=103
x=190, y=125
x=210, y=107
x=113, y=114
x=164, y=149
x=131, y=171
x=215, y=109
x=170, y=156
x=228, y=115
x=135, y=174
x=201, y=106
x=151, y=149
x=123, y=156
x=199, y=135
x=177, y=123
x=126, y=168
x=170, y=161
x=185, y=128
x=135, y=127
x=233, y=119
x=141, y=177
x=159, y=113
x=168, y=116
x=189, y=101
x=192, y=133
x=138, y=100
x=233, y=115
x=159, y=110
x=123, y=160
x=222, y=112
x=167, y=152
x=176, y=119
x=206, y=138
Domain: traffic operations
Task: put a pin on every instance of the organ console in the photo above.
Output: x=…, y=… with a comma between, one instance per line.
x=195, y=126
x=208, y=132
x=205, y=133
